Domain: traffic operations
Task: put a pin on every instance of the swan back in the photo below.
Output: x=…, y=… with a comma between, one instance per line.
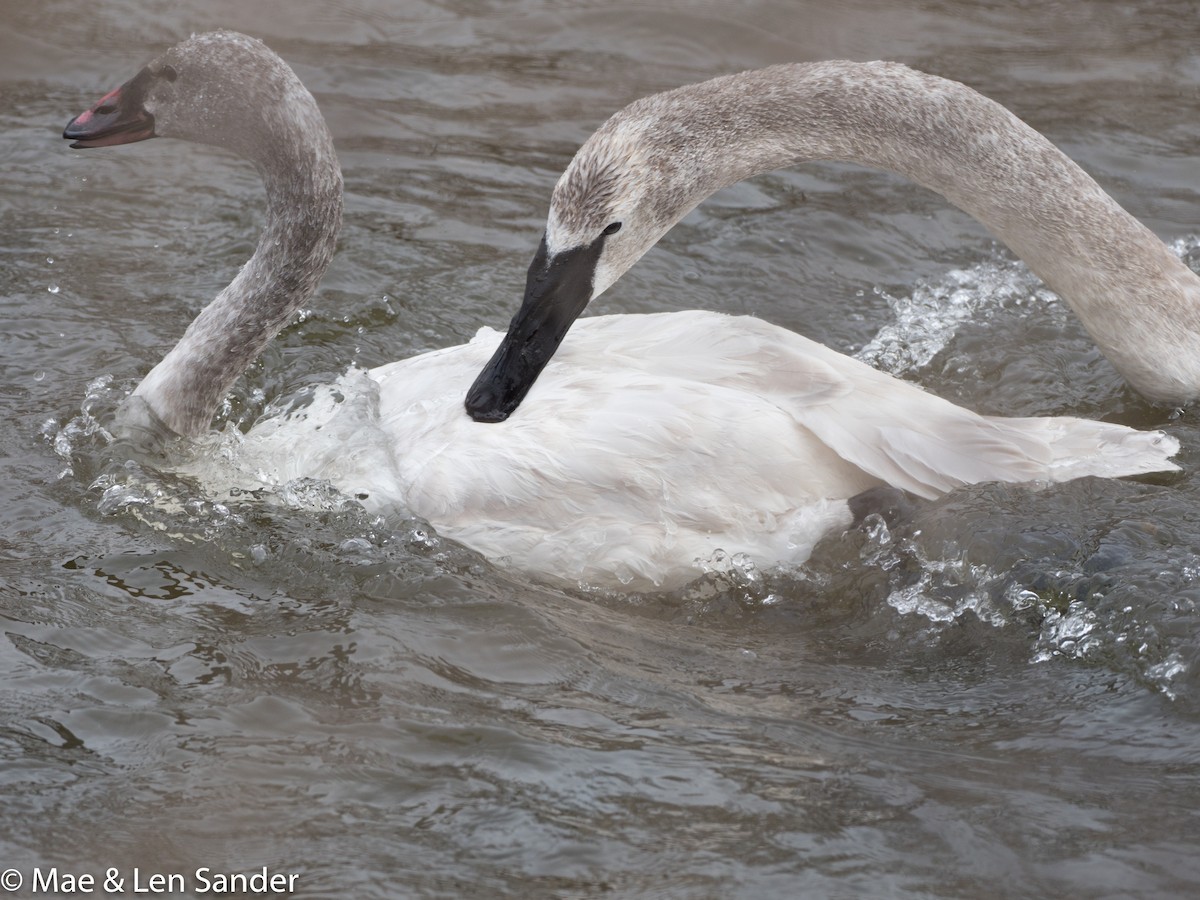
x=656, y=443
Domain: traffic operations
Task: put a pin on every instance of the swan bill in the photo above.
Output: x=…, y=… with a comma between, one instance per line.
x=116, y=118
x=557, y=289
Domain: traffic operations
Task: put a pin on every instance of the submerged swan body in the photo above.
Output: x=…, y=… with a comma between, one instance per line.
x=649, y=444
x=655, y=160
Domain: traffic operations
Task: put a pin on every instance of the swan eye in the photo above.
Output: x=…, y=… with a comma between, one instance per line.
x=168, y=72
x=612, y=229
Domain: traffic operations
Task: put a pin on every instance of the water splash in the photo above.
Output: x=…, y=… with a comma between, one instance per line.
x=1090, y=601
x=1166, y=674
x=84, y=430
x=946, y=588
x=928, y=319
x=1074, y=633
x=1187, y=248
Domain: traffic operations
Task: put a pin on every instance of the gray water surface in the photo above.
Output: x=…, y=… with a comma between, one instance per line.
x=1000, y=700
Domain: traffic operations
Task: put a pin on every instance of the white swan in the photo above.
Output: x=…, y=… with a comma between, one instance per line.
x=655, y=160
x=651, y=442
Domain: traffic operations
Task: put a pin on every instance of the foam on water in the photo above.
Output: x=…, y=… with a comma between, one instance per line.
x=927, y=320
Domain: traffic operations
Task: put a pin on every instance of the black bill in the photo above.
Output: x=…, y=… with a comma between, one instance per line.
x=556, y=291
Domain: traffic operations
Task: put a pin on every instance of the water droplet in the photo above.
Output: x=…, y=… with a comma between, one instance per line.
x=53, y=288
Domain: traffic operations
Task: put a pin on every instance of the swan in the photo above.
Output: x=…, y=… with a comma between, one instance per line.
x=652, y=162
x=652, y=442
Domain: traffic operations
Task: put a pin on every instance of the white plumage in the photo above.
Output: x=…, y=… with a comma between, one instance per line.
x=653, y=441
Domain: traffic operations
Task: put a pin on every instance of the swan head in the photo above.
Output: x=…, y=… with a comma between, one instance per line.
x=220, y=88
x=626, y=187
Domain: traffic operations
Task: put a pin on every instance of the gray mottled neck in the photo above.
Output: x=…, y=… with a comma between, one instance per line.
x=304, y=210
x=1137, y=299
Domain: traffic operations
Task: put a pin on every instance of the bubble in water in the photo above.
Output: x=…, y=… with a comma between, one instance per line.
x=121, y=496
x=1165, y=673
x=50, y=260
x=39, y=375
x=1072, y=633
x=53, y=288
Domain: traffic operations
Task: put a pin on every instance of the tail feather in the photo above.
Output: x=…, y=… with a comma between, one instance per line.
x=1084, y=447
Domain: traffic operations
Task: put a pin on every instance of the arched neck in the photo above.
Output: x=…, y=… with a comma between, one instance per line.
x=1139, y=302
x=304, y=210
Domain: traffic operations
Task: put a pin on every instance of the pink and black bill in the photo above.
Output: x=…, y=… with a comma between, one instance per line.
x=118, y=118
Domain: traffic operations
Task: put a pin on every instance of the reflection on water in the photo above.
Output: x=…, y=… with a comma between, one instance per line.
x=998, y=699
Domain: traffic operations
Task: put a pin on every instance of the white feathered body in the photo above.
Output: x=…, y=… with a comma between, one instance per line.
x=651, y=442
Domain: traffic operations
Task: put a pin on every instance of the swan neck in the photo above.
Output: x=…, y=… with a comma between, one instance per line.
x=304, y=208
x=1135, y=297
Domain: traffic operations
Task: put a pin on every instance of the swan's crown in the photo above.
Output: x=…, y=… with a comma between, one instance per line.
x=602, y=183
x=618, y=176
x=229, y=90
x=649, y=165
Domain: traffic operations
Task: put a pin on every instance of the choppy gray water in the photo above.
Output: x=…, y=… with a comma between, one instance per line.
x=1002, y=701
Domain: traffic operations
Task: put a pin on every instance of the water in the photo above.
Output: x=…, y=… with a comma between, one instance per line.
x=1001, y=699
